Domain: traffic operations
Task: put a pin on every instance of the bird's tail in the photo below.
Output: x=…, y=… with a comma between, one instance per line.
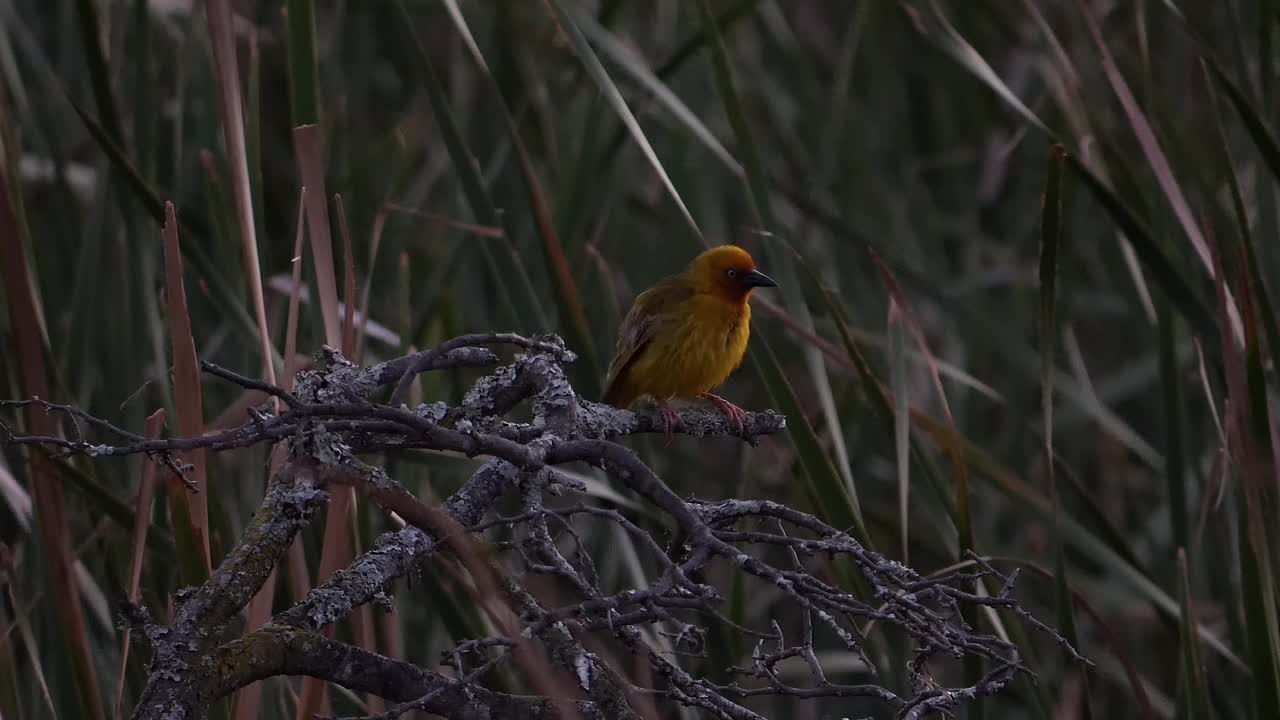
x=615, y=395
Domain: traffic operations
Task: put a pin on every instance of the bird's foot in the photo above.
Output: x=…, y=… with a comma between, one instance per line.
x=737, y=416
x=670, y=419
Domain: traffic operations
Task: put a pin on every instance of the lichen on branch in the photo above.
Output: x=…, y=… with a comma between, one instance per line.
x=338, y=414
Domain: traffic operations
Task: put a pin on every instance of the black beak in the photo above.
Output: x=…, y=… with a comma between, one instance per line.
x=756, y=278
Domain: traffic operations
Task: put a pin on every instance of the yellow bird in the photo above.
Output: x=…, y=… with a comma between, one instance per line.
x=685, y=335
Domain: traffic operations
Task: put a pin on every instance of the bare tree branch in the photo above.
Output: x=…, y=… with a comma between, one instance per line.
x=333, y=416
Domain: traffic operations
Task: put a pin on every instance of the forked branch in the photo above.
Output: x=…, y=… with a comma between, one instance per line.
x=572, y=656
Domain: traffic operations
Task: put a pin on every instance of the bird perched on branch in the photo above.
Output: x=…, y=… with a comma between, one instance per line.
x=685, y=335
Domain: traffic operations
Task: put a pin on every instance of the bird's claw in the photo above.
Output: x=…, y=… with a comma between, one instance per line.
x=670, y=420
x=737, y=416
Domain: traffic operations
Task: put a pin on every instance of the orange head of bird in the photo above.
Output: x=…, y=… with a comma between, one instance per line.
x=727, y=271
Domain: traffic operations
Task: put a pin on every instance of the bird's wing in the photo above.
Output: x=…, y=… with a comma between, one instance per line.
x=639, y=327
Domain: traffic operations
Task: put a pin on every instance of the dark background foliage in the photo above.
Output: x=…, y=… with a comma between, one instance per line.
x=890, y=165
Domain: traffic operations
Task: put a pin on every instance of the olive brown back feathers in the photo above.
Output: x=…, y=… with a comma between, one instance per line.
x=650, y=316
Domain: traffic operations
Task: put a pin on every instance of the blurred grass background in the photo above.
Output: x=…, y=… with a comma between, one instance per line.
x=530, y=166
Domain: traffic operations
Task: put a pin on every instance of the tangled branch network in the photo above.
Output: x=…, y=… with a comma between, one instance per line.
x=609, y=652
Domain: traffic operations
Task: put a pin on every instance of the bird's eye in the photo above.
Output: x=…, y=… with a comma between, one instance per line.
x=733, y=274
